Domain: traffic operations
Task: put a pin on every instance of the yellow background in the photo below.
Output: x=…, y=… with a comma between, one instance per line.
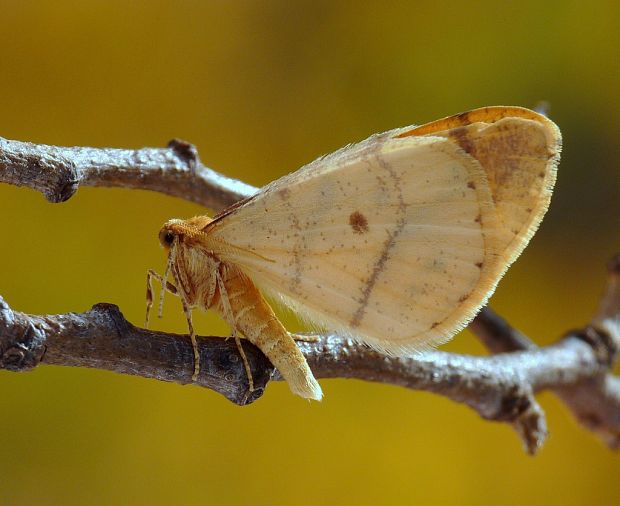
x=262, y=88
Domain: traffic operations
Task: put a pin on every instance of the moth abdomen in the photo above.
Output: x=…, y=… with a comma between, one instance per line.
x=243, y=306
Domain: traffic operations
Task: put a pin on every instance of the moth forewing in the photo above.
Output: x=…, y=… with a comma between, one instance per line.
x=383, y=241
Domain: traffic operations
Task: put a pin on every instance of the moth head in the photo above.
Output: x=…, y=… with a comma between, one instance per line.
x=177, y=231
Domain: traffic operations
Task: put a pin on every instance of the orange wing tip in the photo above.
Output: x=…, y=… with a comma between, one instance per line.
x=490, y=114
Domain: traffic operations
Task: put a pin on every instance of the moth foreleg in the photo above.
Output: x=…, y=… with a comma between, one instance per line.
x=150, y=274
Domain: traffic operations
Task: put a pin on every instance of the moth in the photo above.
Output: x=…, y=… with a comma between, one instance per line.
x=396, y=241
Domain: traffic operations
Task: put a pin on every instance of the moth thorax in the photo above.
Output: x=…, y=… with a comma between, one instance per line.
x=198, y=273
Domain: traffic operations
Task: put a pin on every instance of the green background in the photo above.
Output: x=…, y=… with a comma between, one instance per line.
x=262, y=88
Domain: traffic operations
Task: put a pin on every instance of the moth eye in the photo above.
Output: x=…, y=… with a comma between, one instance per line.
x=166, y=239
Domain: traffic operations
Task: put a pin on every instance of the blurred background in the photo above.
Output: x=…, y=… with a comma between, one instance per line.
x=262, y=88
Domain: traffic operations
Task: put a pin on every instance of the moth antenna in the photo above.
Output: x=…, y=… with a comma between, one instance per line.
x=171, y=256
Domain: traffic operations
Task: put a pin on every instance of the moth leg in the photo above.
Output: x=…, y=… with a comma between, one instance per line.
x=212, y=287
x=150, y=274
x=301, y=338
x=229, y=316
x=192, y=336
x=246, y=364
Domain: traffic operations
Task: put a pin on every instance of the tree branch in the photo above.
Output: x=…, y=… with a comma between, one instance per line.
x=57, y=172
x=499, y=387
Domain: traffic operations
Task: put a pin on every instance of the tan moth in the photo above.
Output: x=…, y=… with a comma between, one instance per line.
x=396, y=241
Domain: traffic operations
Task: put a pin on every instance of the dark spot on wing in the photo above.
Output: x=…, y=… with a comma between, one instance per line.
x=358, y=222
